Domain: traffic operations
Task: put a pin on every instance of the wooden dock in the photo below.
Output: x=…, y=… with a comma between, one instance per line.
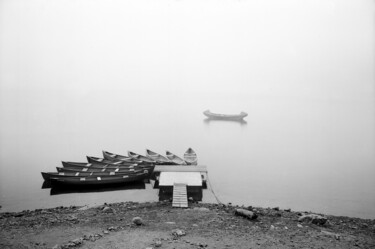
x=179, y=195
x=177, y=168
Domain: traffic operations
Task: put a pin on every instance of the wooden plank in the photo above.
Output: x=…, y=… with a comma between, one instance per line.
x=179, y=195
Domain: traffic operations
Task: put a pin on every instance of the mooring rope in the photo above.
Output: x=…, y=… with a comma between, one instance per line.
x=212, y=190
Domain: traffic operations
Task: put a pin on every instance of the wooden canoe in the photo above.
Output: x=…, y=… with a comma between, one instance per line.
x=140, y=157
x=158, y=158
x=174, y=158
x=115, y=157
x=190, y=157
x=95, y=165
x=212, y=115
x=48, y=175
x=98, y=160
x=150, y=170
x=98, y=180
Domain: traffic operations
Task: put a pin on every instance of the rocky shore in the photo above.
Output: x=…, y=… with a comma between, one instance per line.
x=158, y=225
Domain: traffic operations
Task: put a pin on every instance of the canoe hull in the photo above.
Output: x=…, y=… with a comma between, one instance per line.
x=212, y=115
x=97, y=181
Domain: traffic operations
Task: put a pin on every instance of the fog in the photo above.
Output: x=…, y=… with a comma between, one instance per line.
x=77, y=77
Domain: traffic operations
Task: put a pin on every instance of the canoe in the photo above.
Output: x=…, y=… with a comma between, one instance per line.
x=140, y=157
x=174, y=158
x=98, y=180
x=116, y=157
x=225, y=116
x=157, y=157
x=96, y=165
x=106, y=167
x=103, y=170
x=113, y=157
x=190, y=157
x=48, y=175
x=103, y=161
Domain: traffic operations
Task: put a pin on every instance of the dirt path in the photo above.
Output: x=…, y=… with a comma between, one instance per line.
x=199, y=226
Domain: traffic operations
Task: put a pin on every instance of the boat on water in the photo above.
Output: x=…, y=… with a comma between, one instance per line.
x=96, y=165
x=98, y=180
x=103, y=171
x=134, y=158
x=140, y=157
x=103, y=161
x=116, y=157
x=175, y=159
x=190, y=157
x=158, y=158
x=48, y=175
x=212, y=115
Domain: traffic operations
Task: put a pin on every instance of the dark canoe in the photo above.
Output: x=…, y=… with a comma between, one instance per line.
x=98, y=180
x=140, y=157
x=225, y=116
x=174, y=158
x=190, y=157
x=158, y=158
x=103, y=167
x=95, y=165
x=96, y=171
x=48, y=175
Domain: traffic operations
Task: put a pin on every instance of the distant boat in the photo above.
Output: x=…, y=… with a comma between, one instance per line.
x=174, y=158
x=157, y=157
x=225, y=116
x=190, y=157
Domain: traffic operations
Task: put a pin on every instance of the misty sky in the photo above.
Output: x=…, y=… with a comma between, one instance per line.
x=292, y=47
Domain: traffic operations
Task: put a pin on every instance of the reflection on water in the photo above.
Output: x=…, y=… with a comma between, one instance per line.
x=217, y=120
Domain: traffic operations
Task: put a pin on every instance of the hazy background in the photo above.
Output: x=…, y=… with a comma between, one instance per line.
x=77, y=77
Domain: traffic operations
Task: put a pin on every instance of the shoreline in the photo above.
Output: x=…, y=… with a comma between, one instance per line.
x=203, y=224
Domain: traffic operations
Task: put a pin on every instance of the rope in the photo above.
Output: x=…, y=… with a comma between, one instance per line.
x=212, y=190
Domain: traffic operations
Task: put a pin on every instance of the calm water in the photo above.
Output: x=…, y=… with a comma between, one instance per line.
x=91, y=75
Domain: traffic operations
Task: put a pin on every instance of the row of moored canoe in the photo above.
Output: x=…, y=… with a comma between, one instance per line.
x=114, y=168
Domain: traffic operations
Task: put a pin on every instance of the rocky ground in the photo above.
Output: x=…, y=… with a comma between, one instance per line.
x=152, y=225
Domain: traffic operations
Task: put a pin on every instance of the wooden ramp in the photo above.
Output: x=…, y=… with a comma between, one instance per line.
x=179, y=195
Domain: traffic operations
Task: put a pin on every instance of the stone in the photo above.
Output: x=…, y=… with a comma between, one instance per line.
x=246, y=213
x=138, y=221
x=178, y=233
x=55, y=247
x=313, y=218
x=158, y=243
x=77, y=241
x=107, y=210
